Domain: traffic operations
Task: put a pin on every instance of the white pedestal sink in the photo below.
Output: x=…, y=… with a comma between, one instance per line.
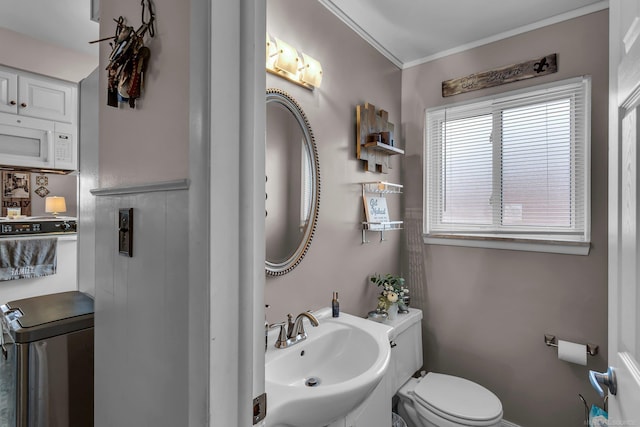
x=323, y=378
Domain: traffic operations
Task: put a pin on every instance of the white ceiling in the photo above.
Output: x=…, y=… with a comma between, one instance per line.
x=65, y=23
x=410, y=32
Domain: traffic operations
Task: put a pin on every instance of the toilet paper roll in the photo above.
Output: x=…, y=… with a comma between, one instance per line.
x=572, y=352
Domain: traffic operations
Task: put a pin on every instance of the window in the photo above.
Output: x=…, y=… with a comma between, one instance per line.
x=513, y=168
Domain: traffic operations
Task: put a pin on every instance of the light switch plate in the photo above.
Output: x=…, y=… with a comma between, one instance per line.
x=125, y=232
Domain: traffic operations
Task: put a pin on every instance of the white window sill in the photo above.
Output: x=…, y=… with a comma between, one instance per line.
x=556, y=247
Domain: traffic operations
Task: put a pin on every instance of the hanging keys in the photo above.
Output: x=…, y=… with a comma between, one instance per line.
x=137, y=79
x=129, y=58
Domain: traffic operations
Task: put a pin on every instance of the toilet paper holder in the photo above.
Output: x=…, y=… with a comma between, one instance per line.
x=552, y=341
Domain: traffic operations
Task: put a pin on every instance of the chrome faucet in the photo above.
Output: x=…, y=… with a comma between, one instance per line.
x=292, y=332
x=298, y=327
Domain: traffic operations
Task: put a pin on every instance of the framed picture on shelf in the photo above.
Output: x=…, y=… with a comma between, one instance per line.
x=376, y=212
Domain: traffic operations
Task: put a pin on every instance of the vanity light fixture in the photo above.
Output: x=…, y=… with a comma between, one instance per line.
x=288, y=60
x=55, y=205
x=272, y=51
x=284, y=60
x=311, y=72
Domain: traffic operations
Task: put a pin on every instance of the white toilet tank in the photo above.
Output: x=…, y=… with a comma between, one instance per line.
x=406, y=347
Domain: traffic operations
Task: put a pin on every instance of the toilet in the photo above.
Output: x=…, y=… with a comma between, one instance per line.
x=434, y=400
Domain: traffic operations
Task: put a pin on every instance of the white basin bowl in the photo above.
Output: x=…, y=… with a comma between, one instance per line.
x=323, y=378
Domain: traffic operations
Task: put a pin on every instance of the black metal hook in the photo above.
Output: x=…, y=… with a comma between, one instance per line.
x=152, y=17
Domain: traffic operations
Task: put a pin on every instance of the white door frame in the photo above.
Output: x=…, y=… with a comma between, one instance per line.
x=226, y=211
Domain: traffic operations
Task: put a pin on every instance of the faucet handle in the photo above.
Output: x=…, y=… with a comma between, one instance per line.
x=290, y=325
x=282, y=335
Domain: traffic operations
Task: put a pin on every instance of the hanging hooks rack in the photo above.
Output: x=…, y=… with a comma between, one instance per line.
x=146, y=26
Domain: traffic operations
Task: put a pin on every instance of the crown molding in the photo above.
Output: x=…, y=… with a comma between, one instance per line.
x=361, y=32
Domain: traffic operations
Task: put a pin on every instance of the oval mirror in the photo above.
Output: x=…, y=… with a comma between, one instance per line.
x=292, y=183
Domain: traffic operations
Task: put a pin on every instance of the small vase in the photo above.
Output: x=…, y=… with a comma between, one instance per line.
x=392, y=312
x=406, y=300
x=402, y=309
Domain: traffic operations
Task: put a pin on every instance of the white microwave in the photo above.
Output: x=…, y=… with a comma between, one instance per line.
x=31, y=143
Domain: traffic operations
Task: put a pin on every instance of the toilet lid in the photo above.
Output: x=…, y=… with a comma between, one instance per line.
x=454, y=397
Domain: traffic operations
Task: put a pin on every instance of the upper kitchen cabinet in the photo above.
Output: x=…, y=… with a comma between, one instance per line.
x=37, y=96
x=38, y=121
x=8, y=92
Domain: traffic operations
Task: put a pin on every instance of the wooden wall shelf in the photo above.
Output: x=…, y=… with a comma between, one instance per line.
x=375, y=154
x=385, y=148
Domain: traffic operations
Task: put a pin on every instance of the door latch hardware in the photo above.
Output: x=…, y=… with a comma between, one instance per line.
x=259, y=408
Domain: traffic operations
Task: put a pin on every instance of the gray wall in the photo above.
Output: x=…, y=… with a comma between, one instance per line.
x=486, y=311
x=27, y=53
x=353, y=73
x=58, y=185
x=149, y=143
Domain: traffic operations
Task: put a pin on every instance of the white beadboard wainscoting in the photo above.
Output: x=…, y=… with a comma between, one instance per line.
x=141, y=303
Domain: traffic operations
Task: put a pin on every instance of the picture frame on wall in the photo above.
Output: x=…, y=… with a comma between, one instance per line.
x=16, y=185
x=16, y=192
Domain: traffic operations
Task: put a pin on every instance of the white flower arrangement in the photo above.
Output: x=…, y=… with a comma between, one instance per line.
x=393, y=290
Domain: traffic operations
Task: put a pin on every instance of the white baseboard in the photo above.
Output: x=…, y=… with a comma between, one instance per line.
x=506, y=423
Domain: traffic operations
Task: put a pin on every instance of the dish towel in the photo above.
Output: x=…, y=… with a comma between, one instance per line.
x=26, y=258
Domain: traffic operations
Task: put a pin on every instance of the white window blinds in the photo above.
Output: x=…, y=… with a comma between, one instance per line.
x=515, y=166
